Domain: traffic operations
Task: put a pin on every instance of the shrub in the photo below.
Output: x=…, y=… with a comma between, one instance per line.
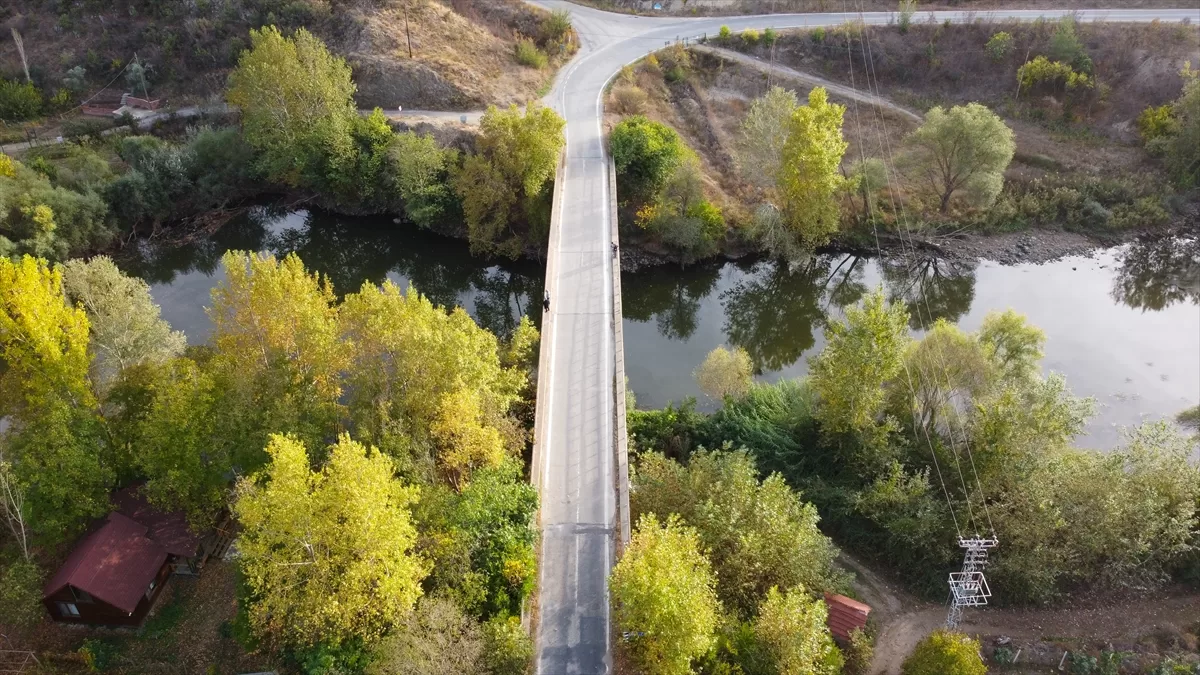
x=629, y=100
x=945, y=653
x=556, y=27
x=770, y=37
x=528, y=55
x=859, y=652
x=19, y=101
x=1000, y=45
x=646, y=154
x=818, y=35
x=20, y=593
x=1043, y=71
x=725, y=372
x=724, y=34
x=98, y=655
x=1066, y=46
x=1155, y=122
x=507, y=649
x=1143, y=212
x=750, y=37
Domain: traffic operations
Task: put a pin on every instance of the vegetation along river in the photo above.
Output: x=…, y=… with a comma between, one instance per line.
x=1122, y=325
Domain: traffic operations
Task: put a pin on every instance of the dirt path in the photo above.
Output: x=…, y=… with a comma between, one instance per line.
x=904, y=620
x=833, y=88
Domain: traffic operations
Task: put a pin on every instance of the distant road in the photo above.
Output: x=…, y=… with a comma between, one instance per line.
x=574, y=633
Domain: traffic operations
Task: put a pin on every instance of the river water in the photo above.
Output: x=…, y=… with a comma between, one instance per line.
x=1122, y=325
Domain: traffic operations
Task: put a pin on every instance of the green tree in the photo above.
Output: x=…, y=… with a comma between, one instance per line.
x=758, y=534
x=792, y=626
x=55, y=441
x=763, y=134
x=662, y=593
x=516, y=160
x=868, y=177
x=419, y=171
x=1014, y=344
x=508, y=649
x=296, y=101
x=859, y=357
x=1067, y=47
x=21, y=594
x=646, y=155
x=179, y=447
x=945, y=653
x=1183, y=148
x=725, y=372
x=326, y=555
x=126, y=326
x=964, y=150
x=808, y=178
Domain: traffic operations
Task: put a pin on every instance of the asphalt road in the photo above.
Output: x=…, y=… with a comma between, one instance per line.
x=578, y=485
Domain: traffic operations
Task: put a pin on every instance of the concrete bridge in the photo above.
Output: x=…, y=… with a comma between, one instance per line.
x=580, y=461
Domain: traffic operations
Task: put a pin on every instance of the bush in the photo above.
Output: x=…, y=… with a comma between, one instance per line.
x=507, y=649
x=646, y=154
x=556, y=27
x=1156, y=122
x=1042, y=71
x=21, y=593
x=98, y=655
x=770, y=37
x=859, y=652
x=907, y=9
x=19, y=101
x=750, y=37
x=817, y=35
x=945, y=653
x=1000, y=45
x=629, y=100
x=724, y=34
x=528, y=55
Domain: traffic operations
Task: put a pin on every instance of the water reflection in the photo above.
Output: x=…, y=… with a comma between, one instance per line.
x=773, y=310
x=349, y=251
x=669, y=295
x=1153, y=275
x=932, y=288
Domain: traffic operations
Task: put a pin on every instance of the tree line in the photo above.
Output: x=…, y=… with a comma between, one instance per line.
x=370, y=448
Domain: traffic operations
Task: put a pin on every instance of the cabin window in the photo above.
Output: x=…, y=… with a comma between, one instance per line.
x=67, y=609
x=81, y=597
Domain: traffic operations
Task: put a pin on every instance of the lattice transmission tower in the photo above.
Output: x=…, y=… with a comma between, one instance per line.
x=969, y=588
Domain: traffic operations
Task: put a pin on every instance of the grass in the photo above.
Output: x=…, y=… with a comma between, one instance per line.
x=528, y=55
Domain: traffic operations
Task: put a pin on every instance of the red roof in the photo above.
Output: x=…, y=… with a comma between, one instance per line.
x=168, y=530
x=115, y=564
x=845, y=615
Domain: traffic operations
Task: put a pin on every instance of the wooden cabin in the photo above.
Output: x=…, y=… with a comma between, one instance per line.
x=845, y=616
x=116, y=572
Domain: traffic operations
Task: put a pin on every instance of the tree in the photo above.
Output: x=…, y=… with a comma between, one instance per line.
x=945, y=652
x=725, y=372
x=428, y=384
x=1014, y=344
x=763, y=134
x=509, y=650
x=868, y=177
x=964, y=150
x=437, y=638
x=516, y=160
x=21, y=594
x=808, y=178
x=126, y=326
x=646, y=155
x=55, y=442
x=278, y=353
x=860, y=355
x=297, y=107
x=179, y=448
x=418, y=168
x=758, y=534
x=1183, y=148
x=662, y=594
x=792, y=626
x=326, y=555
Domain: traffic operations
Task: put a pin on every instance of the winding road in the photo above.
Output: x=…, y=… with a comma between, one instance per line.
x=577, y=481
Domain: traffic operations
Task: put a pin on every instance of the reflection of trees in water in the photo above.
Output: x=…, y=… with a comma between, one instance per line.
x=773, y=312
x=1153, y=275
x=350, y=251
x=933, y=288
x=669, y=295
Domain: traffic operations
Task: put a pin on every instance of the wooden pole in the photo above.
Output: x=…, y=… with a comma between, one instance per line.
x=407, y=34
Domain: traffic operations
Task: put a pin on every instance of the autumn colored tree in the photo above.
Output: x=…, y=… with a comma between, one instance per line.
x=297, y=106
x=808, y=179
x=792, y=626
x=725, y=372
x=763, y=134
x=663, y=595
x=56, y=441
x=327, y=555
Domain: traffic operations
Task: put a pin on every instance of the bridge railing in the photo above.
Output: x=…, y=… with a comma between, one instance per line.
x=620, y=432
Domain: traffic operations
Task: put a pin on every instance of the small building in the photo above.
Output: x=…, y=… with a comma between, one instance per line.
x=115, y=573
x=845, y=616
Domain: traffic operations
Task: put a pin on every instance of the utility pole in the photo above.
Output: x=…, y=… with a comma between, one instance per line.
x=969, y=588
x=407, y=34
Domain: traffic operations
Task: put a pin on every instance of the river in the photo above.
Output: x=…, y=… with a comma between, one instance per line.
x=1122, y=325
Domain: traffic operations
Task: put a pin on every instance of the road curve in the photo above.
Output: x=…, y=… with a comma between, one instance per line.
x=577, y=485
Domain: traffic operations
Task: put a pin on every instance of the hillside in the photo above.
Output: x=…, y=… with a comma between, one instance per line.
x=462, y=50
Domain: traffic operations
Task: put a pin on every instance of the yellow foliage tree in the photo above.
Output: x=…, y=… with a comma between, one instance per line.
x=808, y=180
x=327, y=555
x=465, y=441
